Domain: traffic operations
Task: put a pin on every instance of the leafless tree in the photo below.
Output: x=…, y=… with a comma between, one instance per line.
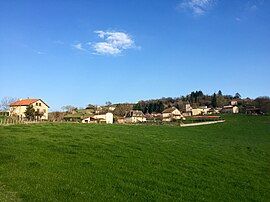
x=68, y=108
x=5, y=102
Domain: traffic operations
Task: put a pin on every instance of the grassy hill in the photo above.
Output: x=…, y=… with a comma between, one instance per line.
x=75, y=162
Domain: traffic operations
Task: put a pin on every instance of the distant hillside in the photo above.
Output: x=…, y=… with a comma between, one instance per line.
x=198, y=98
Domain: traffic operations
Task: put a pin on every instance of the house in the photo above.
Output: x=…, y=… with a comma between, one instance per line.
x=234, y=102
x=149, y=116
x=18, y=108
x=197, y=111
x=230, y=109
x=213, y=111
x=202, y=110
x=89, y=120
x=135, y=116
x=157, y=116
x=187, y=111
x=171, y=114
x=112, y=108
x=106, y=117
x=120, y=119
x=103, y=117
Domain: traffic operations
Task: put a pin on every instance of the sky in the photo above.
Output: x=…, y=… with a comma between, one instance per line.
x=77, y=52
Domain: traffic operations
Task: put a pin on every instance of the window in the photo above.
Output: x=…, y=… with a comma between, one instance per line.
x=39, y=104
x=44, y=110
x=36, y=104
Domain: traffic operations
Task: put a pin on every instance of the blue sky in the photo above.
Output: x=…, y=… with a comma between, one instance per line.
x=80, y=52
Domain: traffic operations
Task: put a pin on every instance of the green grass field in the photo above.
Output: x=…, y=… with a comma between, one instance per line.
x=81, y=162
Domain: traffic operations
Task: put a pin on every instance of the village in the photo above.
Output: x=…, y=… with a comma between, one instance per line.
x=35, y=109
x=116, y=100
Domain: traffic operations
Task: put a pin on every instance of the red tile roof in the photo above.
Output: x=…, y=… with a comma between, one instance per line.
x=25, y=102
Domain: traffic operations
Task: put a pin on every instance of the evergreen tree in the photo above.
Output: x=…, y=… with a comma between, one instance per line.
x=237, y=96
x=214, y=101
x=160, y=107
x=150, y=108
x=219, y=93
x=137, y=106
x=30, y=112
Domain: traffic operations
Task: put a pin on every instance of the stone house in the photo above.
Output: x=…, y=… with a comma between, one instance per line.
x=171, y=114
x=135, y=116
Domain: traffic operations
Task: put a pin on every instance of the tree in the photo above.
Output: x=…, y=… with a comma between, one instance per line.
x=237, y=96
x=38, y=114
x=221, y=101
x=219, y=93
x=122, y=109
x=5, y=102
x=68, y=108
x=214, y=101
x=137, y=106
x=90, y=106
x=195, y=96
x=30, y=112
x=108, y=103
x=160, y=107
x=263, y=103
x=56, y=116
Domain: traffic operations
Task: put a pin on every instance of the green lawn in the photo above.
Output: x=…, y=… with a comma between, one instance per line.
x=74, y=162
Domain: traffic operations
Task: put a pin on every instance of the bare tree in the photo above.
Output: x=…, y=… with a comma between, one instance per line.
x=68, y=108
x=56, y=116
x=5, y=102
x=122, y=109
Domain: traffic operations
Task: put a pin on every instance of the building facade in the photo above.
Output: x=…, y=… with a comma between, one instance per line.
x=18, y=108
x=135, y=116
x=171, y=114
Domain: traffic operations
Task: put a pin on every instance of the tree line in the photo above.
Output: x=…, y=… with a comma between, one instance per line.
x=198, y=98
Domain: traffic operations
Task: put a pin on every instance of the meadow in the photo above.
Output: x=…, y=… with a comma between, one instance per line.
x=82, y=162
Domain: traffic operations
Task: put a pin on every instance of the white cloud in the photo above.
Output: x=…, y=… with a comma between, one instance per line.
x=101, y=34
x=106, y=48
x=112, y=42
x=40, y=52
x=197, y=7
x=58, y=42
x=78, y=46
x=238, y=19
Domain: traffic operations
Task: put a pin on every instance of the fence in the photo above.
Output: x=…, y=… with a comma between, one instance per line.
x=7, y=121
x=10, y=121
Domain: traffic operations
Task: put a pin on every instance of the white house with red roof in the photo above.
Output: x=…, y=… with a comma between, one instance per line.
x=19, y=107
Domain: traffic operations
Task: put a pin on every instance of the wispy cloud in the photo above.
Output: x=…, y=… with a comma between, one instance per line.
x=238, y=19
x=253, y=5
x=196, y=7
x=58, y=42
x=248, y=9
x=40, y=52
x=78, y=46
x=112, y=43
